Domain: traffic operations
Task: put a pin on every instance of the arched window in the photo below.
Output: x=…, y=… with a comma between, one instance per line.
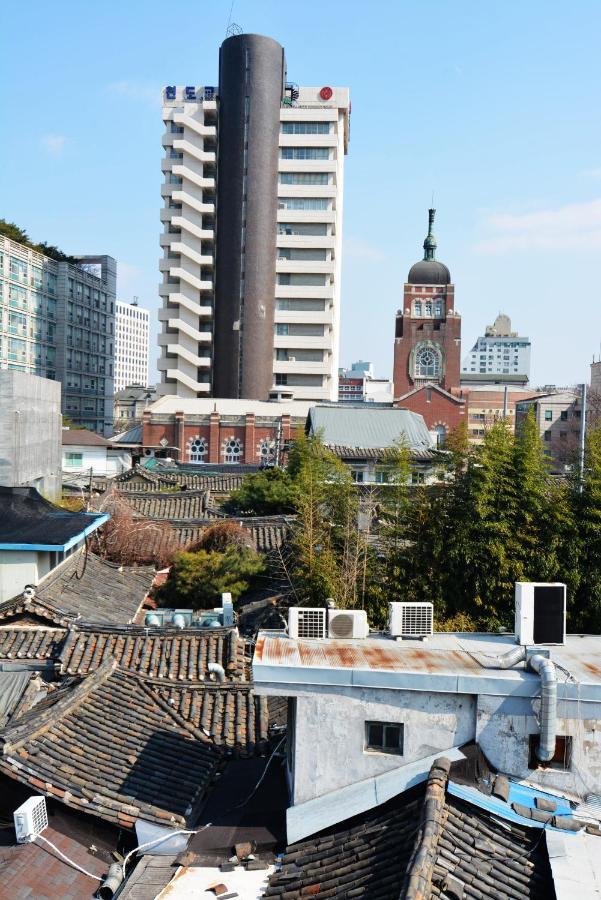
x=441, y=435
x=428, y=308
x=266, y=451
x=438, y=309
x=232, y=450
x=417, y=308
x=427, y=363
x=198, y=450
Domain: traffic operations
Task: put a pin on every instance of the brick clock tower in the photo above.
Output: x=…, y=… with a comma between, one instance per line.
x=427, y=344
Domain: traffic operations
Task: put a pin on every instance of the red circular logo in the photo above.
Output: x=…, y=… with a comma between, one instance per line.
x=326, y=93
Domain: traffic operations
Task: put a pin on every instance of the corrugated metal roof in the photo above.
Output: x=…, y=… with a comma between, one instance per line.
x=369, y=428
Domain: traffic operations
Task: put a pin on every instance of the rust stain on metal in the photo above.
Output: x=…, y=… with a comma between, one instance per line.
x=378, y=655
x=593, y=669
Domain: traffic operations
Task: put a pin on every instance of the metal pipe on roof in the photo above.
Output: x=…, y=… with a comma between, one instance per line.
x=507, y=660
x=111, y=883
x=548, y=712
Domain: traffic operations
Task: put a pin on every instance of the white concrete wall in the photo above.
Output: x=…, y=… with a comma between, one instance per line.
x=505, y=723
x=30, y=432
x=18, y=568
x=100, y=460
x=330, y=733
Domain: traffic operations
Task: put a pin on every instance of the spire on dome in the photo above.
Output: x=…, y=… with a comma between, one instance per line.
x=430, y=241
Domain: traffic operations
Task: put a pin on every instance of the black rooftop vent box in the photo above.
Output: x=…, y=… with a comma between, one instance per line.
x=540, y=613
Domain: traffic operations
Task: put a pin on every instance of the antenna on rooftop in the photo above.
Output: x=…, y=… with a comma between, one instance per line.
x=232, y=29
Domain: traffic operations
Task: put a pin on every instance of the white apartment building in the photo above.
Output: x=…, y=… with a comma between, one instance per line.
x=251, y=297
x=188, y=241
x=500, y=351
x=132, y=345
x=313, y=143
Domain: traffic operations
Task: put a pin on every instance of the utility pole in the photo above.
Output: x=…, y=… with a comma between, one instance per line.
x=582, y=440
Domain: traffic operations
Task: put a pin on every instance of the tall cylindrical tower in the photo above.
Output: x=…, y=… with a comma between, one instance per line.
x=252, y=73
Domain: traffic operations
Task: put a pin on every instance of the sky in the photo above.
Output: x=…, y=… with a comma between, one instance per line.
x=491, y=107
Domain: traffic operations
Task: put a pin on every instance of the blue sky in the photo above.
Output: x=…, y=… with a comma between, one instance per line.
x=493, y=106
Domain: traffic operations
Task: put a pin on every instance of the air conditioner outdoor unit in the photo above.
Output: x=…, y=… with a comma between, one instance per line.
x=307, y=622
x=30, y=819
x=540, y=613
x=348, y=623
x=411, y=619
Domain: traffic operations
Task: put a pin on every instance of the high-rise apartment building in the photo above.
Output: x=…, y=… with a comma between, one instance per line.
x=253, y=184
x=132, y=346
x=500, y=351
x=57, y=320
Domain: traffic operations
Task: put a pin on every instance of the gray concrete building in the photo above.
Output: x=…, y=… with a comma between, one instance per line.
x=30, y=432
x=57, y=320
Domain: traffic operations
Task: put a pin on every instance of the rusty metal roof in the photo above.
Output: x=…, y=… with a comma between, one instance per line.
x=450, y=662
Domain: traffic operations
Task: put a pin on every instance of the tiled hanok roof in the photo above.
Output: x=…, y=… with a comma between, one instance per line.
x=111, y=747
x=31, y=643
x=165, y=505
x=266, y=533
x=167, y=653
x=425, y=843
x=377, y=453
x=84, y=587
x=97, y=590
x=141, y=479
x=232, y=716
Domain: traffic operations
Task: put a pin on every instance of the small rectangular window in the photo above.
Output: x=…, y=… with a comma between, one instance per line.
x=562, y=758
x=564, y=415
x=547, y=435
x=384, y=737
x=548, y=415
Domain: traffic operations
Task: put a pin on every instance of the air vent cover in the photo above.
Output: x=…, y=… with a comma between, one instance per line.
x=411, y=619
x=306, y=622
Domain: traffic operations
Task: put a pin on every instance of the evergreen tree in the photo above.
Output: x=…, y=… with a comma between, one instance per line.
x=586, y=501
x=323, y=488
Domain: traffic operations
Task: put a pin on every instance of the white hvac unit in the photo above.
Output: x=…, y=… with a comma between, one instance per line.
x=411, y=619
x=31, y=819
x=540, y=613
x=347, y=623
x=307, y=622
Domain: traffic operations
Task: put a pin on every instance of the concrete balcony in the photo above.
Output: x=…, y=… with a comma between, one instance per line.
x=308, y=140
x=190, y=279
x=185, y=146
x=294, y=317
x=198, y=127
x=307, y=242
x=299, y=367
x=307, y=165
x=309, y=266
x=302, y=342
x=199, y=387
x=207, y=184
x=290, y=290
x=201, y=362
x=180, y=196
x=303, y=215
x=199, y=258
x=176, y=299
x=201, y=337
x=205, y=234
x=304, y=190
